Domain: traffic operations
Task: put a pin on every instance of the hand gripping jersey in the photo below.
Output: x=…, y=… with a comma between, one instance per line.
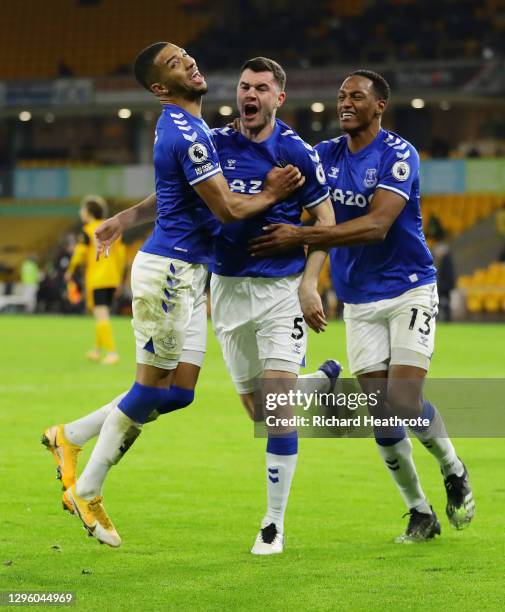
x=184, y=155
x=369, y=273
x=245, y=165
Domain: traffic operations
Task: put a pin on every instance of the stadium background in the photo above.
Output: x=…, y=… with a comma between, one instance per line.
x=74, y=122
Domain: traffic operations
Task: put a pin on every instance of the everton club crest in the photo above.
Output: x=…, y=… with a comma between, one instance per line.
x=370, y=179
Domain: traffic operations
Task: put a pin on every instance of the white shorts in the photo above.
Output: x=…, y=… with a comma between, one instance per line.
x=399, y=331
x=169, y=309
x=259, y=324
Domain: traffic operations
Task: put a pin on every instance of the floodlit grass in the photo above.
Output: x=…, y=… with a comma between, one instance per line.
x=188, y=498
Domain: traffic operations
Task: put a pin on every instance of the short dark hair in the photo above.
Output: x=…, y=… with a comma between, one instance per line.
x=143, y=66
x=380, y=85
x=96, y=206
x=263, y=64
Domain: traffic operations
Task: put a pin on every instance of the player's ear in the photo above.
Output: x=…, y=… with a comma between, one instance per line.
x=158, y=89
x=280, y=99
x=381, y=106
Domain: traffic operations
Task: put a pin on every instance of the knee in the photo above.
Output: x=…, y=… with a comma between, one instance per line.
x=177, y=398
x=253, y=410
x=183, y=397
x=404, y=402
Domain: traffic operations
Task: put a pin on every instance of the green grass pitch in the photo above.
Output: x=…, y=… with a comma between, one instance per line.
x=188, y=498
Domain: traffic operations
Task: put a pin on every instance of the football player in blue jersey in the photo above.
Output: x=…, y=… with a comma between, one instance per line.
x=383, y=271
x=168, y=280
x=260, y=305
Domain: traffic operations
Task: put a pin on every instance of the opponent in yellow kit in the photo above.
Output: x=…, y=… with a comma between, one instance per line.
x=101, y=277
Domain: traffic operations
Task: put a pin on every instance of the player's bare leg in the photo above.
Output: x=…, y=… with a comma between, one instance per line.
x=323, y=380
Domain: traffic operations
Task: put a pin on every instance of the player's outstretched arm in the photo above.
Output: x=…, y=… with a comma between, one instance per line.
x=310, y=300
x=372, y=227
x=111, y=229
x=229, y=206
x=78, y=258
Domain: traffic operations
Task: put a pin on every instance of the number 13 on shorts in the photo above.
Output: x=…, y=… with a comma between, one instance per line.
x=417, y=329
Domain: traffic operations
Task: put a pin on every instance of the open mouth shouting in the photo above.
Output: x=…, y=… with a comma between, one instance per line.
x=197, y=78
x=250, y=110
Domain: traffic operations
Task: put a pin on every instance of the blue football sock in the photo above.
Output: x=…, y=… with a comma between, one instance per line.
x=429, y=413
x=177, y=398
x=387, y=436
x=141, y=400
x=286, y=444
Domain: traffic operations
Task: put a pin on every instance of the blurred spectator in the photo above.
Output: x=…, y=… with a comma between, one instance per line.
x=439, y=148
x=319, y=32
x=446, y=276
x=500, y=220
x=435, y=231
x=52, y=296
x=5, y=270
x=500, y=226
x=473, y=152
x=30, y=277
x=64, y=69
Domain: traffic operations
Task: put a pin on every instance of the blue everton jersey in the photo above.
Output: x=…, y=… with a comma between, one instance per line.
x=184, y=155
x=245, y=165
x=402, y=261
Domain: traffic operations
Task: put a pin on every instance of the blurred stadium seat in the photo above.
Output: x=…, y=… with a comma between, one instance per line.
x=485, y=289
x=67, y=38
x=86, y=145
x=459, y=212
x=21, y=236
x=64, y=38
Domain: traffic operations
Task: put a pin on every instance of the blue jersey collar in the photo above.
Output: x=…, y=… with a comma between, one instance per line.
x=267, y=141
x=174, y=107
x=363, y=152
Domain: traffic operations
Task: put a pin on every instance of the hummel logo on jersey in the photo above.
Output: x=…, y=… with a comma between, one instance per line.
x=370, y=179
x=399, y=146
x=191, y=137
x=183, y=125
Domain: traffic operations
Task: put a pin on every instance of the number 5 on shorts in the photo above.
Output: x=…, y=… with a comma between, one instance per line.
x=297, y=328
